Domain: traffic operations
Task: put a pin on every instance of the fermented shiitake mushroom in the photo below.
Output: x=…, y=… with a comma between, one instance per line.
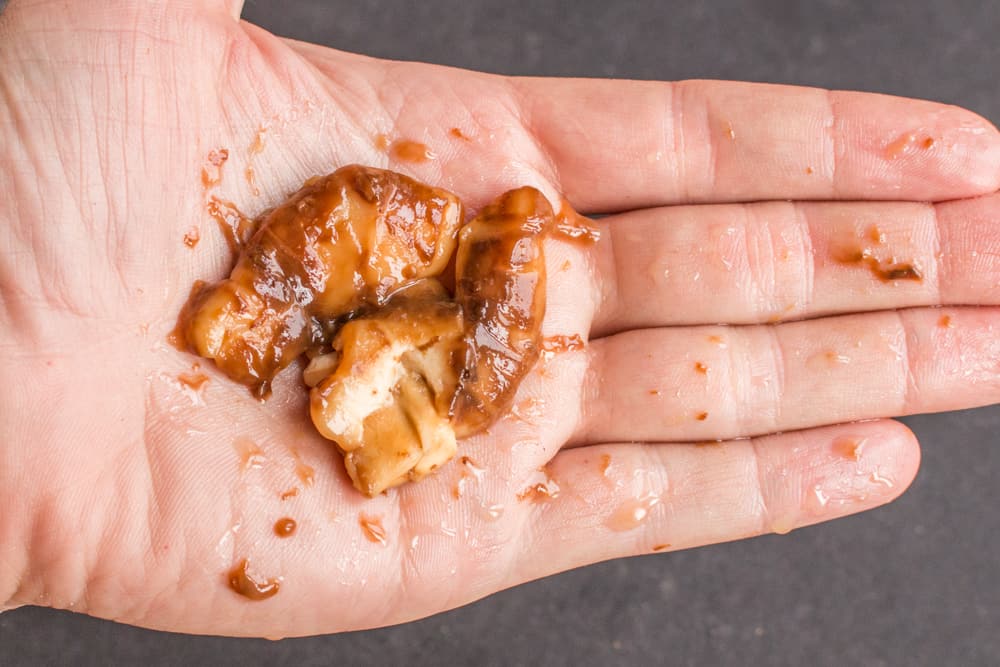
x=347, y=269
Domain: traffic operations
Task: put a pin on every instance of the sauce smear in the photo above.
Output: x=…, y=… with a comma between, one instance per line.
x=245, y=584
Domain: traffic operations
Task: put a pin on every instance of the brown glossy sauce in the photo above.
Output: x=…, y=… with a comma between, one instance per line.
x=211, y=172
x=701, y=368
x=251, y=177
x=654, y=392
x=285, y=527
x=701, y=416
x=371, y=526
x=407, y=150
x=605, y=464
x=290, y=493
x=235, y=227
x=192, y=237
x=194, y=380
x=809, y=170
x=563, y=343
x=571, y=226
x=250, y=587
x=294, y=281
x=875, y=235
x=848, y=448
x=945, y=322
x=661, y=547
x=258, y=143
x=889, y=271
x=458, y=134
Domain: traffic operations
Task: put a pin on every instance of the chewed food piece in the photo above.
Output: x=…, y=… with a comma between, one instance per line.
x=501, y=289
x=406, y=380
x=341, y=243
x=386, y=401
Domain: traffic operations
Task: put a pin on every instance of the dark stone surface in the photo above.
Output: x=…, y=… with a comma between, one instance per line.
x=914, y=583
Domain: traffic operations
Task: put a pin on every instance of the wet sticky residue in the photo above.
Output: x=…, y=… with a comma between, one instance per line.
x=660, y=547
x=541, y=491
x=246, y=584
x=458, y=134
x=407, y=150
x=848, y=448
x=718, y=341
x=699, y=367
x=211, y=171
x=235, y=227
x=194, y=379
x=605, y=464
x=250, y=455
x=290, y=493
x=632, y=513
x=470, y=472
x=908, y=143
x=285, y=527
x=945, y=322
x=192, y=237
x=554, y=344
x=572, y=226
x=701, y=416
x=372, y=528
x=886, y=270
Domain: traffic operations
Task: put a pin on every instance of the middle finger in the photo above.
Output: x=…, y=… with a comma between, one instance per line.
x=777, y=261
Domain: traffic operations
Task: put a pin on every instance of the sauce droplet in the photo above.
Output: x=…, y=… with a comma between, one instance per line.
x=306, y=473
x=381, y=142
x=290, y=493
x=945, y=322
x=458, y=134
x=717, y=340
x=701, y=416
x=632, y=513
x=605, y=464
x=372, y=528
x=848, y=448
x=701, y=368
x=661, y=547
x=885, y=271
x=245, y=584
x=192, y=237
x=251, y=456
x=285, y=527
x=211, y=172
x=407, y=150
x=193, y=380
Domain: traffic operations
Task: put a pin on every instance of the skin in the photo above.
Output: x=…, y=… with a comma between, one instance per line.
x=123, y=494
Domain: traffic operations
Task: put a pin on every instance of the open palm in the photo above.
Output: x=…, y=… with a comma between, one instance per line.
x=771, y=327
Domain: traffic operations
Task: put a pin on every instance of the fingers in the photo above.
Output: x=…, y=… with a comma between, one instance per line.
x=724, y=382
x=773, y=261
x=621, y=145
x=630, y=499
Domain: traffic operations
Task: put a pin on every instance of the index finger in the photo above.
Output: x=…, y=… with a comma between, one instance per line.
x=620, y=145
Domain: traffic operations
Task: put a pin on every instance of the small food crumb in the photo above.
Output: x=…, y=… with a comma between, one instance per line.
x=285, y=527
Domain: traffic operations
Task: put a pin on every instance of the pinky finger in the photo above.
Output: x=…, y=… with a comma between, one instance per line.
x=630, y=499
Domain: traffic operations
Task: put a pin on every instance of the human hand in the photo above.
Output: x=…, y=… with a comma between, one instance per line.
x=122, y=488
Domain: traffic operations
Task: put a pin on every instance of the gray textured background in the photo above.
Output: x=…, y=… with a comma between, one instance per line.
x=914, y=583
